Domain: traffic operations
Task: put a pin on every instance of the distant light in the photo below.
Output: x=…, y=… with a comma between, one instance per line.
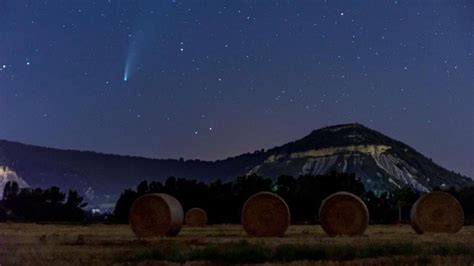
x=342, y=13
x=4, y=66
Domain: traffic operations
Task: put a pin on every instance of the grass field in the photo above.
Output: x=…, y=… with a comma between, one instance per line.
x=32, y=244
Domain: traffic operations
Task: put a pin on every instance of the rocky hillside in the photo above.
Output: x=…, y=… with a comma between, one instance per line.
x=381, y=162
x=8, y=175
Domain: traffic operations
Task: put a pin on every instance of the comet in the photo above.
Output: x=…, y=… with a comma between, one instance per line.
x=130, y=61
x=126, y=71
x=140, y=40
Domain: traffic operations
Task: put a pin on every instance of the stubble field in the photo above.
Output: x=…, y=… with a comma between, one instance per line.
x=34, y=244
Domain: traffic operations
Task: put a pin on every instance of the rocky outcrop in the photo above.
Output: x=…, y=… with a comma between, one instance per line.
x=8, y=175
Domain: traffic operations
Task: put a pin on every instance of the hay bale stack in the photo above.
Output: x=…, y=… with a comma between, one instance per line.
x=265, y=214
x=343, y=213
x=437, y=212
x=155, y=215
x=196, y=217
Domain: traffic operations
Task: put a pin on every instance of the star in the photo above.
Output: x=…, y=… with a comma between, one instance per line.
x=277, y=59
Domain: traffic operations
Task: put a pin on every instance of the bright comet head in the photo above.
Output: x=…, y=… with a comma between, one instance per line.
x=125, y=73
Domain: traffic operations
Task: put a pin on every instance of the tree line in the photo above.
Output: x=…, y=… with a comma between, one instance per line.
x=40, y=205
x=223, y=201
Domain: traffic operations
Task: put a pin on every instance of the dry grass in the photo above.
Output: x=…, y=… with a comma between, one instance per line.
x=31, y=244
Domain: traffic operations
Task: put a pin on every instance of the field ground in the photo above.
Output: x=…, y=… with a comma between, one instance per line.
x=32, y=244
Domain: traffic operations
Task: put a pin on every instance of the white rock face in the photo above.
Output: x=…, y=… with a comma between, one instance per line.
x=400, y=170
x=373, y=150
x=321, y=161
x=8, y=175
x=89, y=194
x=317, y=166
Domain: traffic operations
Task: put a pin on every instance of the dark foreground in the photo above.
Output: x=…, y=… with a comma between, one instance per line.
x=31, y=244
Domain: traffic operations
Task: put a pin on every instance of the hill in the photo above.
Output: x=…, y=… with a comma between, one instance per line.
x=381, y=162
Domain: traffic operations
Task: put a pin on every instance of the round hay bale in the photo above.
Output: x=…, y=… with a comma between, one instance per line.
x=196, y=217
x=265, y=214
x=437, y=212
x=343, y=213
x=155, y=215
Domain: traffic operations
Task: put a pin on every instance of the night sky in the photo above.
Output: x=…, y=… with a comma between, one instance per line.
x=211, y=79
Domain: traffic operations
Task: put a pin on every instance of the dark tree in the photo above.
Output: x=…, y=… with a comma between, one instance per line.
x=53, y=195
x=404, y=199
x=143, y=188
x=246, y=186
x=466, y=198
x=10, y=190
x=223, y=201
x=123, y=205
x=74, y=200
x=38, y=205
